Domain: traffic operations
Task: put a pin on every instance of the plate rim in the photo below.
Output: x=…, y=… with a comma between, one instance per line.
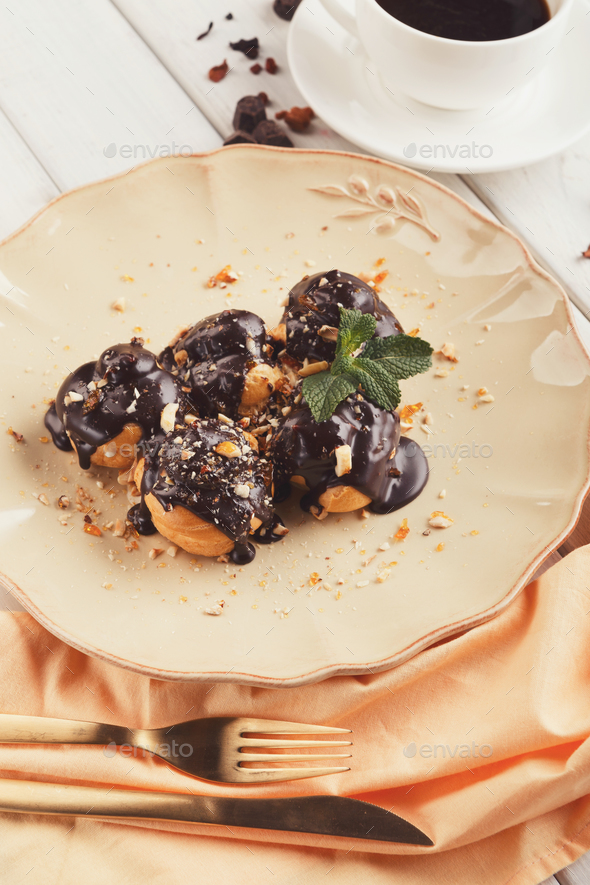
x=338, y=669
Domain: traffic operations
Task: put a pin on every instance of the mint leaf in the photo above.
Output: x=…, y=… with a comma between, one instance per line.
x=324, y=391
x=355, y=328
x=377, y=382
x=401, y=355
x=381, y=364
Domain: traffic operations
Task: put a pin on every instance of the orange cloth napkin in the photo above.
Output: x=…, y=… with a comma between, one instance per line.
x=506, y=803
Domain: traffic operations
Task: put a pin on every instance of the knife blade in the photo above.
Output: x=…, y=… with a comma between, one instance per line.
x=321, y=815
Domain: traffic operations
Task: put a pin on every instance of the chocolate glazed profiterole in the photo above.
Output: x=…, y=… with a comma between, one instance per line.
x=106, y=407
x=309, y=325
x=225, y=360
x=207, y=491
x=354, y=459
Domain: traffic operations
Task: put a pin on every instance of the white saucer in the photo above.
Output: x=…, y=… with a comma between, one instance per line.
x=533, y=122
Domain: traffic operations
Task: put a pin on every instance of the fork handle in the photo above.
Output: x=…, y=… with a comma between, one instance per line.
x=38, y=730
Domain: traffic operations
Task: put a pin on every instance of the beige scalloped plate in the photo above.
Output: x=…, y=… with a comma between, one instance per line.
x=337, y=596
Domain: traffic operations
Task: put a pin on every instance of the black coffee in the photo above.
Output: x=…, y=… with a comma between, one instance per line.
x=470, y=19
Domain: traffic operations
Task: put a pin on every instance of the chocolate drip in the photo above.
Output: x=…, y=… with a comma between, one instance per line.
x=302, y=447
x=313, y=303
x=188, y=471
x=213, y=358
x=58, y=432
x=135, y=392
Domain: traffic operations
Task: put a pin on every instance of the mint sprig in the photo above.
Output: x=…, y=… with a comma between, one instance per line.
x=375, y=365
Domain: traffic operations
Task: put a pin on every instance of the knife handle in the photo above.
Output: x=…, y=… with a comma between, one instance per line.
x=38, y=730
x=44, y=798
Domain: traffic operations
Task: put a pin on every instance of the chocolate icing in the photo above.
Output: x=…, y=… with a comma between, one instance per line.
x=313, y=305
x=213, y=358
x=205, y=482
x=136, y=391
x=305, y=448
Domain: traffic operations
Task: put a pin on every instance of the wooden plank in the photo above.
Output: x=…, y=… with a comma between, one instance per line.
x=76, y=78
x=577, y=873
x=24, y=185
x=172, y=37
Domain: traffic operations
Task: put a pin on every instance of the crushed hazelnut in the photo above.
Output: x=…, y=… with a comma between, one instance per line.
x=63, y=502
x=228, y=449
x=343, y=460
x=313, y=369
x=168, y=417
x=440, y=520
x=155, y=552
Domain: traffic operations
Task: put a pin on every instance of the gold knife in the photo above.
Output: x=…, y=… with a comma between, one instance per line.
x=324, y=815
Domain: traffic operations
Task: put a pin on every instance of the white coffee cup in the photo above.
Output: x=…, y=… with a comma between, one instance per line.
x=453, y=74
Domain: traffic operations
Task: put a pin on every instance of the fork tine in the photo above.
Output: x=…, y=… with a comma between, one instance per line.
x=290, y=757
x=287, y=744
x=275, y=726
x=287, y=774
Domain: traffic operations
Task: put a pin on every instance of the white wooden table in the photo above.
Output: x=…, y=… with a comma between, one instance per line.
x=78, y=76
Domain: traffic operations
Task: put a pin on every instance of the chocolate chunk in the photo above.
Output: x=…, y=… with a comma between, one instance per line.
x=229, y=16
x=269, y=132
x=208, y=31
x=248, y=47
x=249, y=113
x=240, y=137
x=286, y=8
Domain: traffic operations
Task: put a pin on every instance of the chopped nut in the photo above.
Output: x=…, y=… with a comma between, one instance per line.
x=442, y=494
x=242, y=491
x=119, y=305
x=172, y=550
x=180, y=357
x=328, y=333
x=440, y=547
x=383, y=575
x=75, y=397
x=224, y=419
x=155, y=552
x=343, y=460
x=63, y=502
x=440, y=372
x=403, y=531
x=228, y=449
x=42, y=497
x=214, y=609
x=428, y=419
x=119, y=529
x=168, y=417
x=362, y=583
x=313, y=369
x=488, y=398
x=384, y=546
x=440, y=520
x=487, y=327
x=17, y=436
x=448, y=351
x=91, y=529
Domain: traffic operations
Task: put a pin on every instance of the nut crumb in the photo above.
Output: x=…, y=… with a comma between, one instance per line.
x=119, y=305
x=440, y=520
x=155, y=552
x=343, y=460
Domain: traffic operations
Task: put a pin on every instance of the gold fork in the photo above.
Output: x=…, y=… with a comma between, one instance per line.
x=211, y=749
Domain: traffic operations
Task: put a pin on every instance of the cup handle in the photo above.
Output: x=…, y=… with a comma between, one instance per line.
x=344, y=13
